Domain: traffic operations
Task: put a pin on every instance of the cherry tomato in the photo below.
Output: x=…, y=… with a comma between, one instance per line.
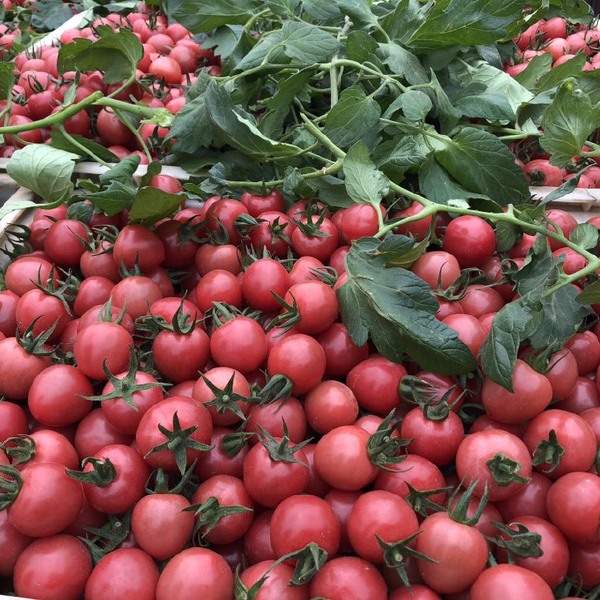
x=509, y=582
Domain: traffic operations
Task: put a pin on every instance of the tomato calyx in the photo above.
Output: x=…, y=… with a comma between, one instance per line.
x=458, y=288
x=125, y=386
x=420, y=500
x=17, y=235
x=422, y=393
x=277, y=389
x=520, y=543
x=103, y=472
x=11, y=482
x=65, y=290
x=36, y=345
x=458, y=504
x=178, y=442
x=279, y=449
x=159, y=482
x=384, y=448
x=233, y=443
x=225, y=399
x=289, y=317
x=19, y=449
x=308, y=562
x=548, y=453
x=107, y=538
x=395, y=553
x=504, y=470
x=208, y=515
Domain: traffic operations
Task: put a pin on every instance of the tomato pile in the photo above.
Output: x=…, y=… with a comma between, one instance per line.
x=350, y=358
x=551, y=43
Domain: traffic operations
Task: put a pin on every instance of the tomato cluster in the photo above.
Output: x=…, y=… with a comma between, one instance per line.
x=185, y=413
x=562, y=41
x=171, y=59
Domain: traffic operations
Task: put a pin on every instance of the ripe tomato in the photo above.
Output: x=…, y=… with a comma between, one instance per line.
x=123, y=573
x=437, y=268
x=277, y=582
x=321, y=245
x=56, y=566
x=419, y=228
x=329, y=405
x=180, y=357
x=94, y=432
x=48, y=502
x=318, y=525
x=258, y=204
x=196, y=573
x=218, y=286
x=348, y=578
x=13, y=420
x=342, y=459
x=209, y=257
x=532, y=394
x=494, y=458
x=64, y=243
x=275, y=417
x=316, y=304
x=26, y=273
x=459, y=551
x=45, y=309
x=470, y=239
x=509, y=582
x=239, y=343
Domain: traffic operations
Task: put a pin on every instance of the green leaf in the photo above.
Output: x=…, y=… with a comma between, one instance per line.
x=50, y=15
x=585, y=235
x=355, y=117
x=538, y=271
x=238, y=128
x=44, y=170
x=278, y=105
x=507, y=236
x=191, y=127
x=361, y=46
x=397, y=313
x=359, y=12
x=7, y=79
x=557, y=75
x=201, y=17
x=113, y=198
x=364, y=181
x=122, y=172
x=402, y=251
x=324, y=11
x=482, y=163
x=540, y=65
x=283, y=7
x=116, y=53
x=590, y=294
x=397, y=156
x=402, y=62
x=567, y=123
x=151, y=204
x=415, y=105
x=332, y=191
x=513, y=323
x=300, y=44
x=465, y=23
x=62, y=142
x=405, y=19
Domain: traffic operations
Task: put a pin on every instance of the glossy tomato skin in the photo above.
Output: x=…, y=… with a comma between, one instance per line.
x=181, y=357
x=329, y=405
x=475, y=452
x=13, y=420
x=136, y=293
x=257, y=541
x=341, y=353
x=52, y=446
x=239, y=343
x=196, y=573
x=13, y=542
x=47, y=311
x=18, y=369
x=529, y=500
x=583, y=564
x=379, y=514
x=319, y=525
x=342, y=460
x=437, y=268
x=273, y=418
x=277, y=584
x=190, y=414
x=123, y=573
x=138, y=245
x=532, y=394
x=94, y=432
x=577, y=514
x=460, y=552
x=128, y=486
x=348, y=578
x=63, y=242
x=161, y=525
x=48, y=502
x=53, y=567
x=217, y=461
x=510, y=582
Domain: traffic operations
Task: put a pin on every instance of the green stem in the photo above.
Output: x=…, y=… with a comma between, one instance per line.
x=81, y=147
x=135, y=132
x=312, y=128
x=54, y=119
x=136, y=109
x=366, y=69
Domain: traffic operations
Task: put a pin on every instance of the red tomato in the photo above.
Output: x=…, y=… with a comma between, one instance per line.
x=277, y=581
x=180, y=357
x=494, y=458
x=94, y=432
x=48, y=502
x=218, y=286
x=342, y=459
x=258, y=204
x=56, y=566
x=459, y=551
x=316, y=304
x=239, y=343
x=300, y=520
x=64, y=243
x=123, y=573
x=418, y=228
x=509, y=582
x=470, y=239
x=275, y=417
x=437, y=268
x=196, y=573
x=341, y=353
x=329, y=405
x=532, y=394
x=348, y=578
x=226, y=257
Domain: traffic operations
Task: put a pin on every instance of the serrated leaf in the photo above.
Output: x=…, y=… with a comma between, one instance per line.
x=396, y=157
x=200, y=17
x=191, y=127
x=50, y=15
x=513, y=323
x=397, y=312
x=408, y=15
x=360, y=46
x=465, y=23
x=323, y=11
x=538, y=66
x=238, y=129
x=151, y=205
x=507, y=236
x=44, y=170
x=364, y=181
x=355, y=117
x=402, y=251
x=332, y=191
x=590, y=294
x=567, y=123
x=116, y=53
x=300, y=44
x=122, y=172
x=7, y=79
x=557, y=75
x=415, y=105
x=359, y=12
x=402, y=62
x=482, y=163
x=585, y=235
x=113, y=198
